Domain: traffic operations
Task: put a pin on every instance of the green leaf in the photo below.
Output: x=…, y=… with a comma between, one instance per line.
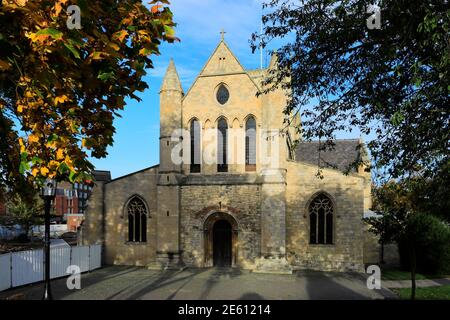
x=104, y=76
x=24, y=166
x=35, y=160
x=39, y=93
x=417, y=82
x=55, y=34
x=72, y=49
x=52, y=137
x=397, y=118
x=24, y=156
x=72, y=176
x=170, y=32
x=63, y=168
x=71, y=112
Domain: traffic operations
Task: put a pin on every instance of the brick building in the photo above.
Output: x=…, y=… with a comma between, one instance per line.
x=241, y=195
x=70, y=204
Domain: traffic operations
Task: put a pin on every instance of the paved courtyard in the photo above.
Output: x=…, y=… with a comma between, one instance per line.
x=119, y=282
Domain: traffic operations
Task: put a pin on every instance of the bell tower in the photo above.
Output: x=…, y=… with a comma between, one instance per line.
x=170, y=172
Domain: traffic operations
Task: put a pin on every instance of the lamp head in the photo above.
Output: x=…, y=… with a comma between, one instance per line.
x=48, y=190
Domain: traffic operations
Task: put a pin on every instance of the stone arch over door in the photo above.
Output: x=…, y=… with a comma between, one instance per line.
x=208, y=229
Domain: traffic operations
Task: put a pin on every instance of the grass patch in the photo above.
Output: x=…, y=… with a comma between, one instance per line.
x=429, y=293
x=395, y=274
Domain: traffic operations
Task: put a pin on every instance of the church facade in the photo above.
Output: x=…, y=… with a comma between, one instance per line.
x=230, y=188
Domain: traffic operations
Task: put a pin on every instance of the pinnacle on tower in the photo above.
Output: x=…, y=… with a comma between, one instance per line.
x=171, y=80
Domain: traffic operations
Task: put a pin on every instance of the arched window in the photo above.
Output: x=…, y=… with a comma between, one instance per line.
x=137, y=220
x=250, y=144
x=222, y=162
x=321, y=220
x=195, y=146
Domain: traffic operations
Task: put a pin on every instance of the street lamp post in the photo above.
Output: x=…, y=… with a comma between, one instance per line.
x=47, y=193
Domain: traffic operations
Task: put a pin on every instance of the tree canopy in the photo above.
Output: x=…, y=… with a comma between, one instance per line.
x=62, y=87
x=393, y=82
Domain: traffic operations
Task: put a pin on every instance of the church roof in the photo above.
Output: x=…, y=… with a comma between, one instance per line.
x=344, y=153
x=257, y=75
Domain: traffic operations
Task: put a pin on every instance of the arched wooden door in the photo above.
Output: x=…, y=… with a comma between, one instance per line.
x=220, y=240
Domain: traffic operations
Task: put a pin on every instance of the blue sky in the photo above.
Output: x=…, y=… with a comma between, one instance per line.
x=199, y=25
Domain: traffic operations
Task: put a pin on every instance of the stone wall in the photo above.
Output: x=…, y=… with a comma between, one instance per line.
x=117, y=193
x=346, y=252
x=372, y=251
x=241, y=201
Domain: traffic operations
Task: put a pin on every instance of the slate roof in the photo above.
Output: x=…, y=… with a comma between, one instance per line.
x=344, y=153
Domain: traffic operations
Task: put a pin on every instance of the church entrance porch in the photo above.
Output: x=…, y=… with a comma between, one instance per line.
x=220, y=240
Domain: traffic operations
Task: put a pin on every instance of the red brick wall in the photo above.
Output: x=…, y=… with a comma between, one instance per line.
x=61, y=205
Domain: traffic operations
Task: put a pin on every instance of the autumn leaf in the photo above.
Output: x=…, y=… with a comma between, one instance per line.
x=61, y=99
x=44, y=171
x=70, y=84
x=32, y=138
x=4, y=65
x=144, y=52
x=53, y=164
x=21, y=3
x=58, y=6
x=22, y=145
x=34, y=172
x=114, y=46
x=60, y=154
x=120, y=35
x=97, y=55
x=155, y=9
x=43, y=34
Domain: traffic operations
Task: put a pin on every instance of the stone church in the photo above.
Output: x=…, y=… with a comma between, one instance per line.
x=230, y=188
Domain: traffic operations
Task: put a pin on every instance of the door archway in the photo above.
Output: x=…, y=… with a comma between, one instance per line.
x=220, y=240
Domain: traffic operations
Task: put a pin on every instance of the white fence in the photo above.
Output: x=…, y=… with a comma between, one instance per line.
x=25, y=267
